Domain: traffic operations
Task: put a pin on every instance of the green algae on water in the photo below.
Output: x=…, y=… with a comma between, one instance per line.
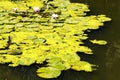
x=28, y=36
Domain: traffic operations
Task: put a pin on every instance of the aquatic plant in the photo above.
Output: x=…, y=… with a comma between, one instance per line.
x=48, y=33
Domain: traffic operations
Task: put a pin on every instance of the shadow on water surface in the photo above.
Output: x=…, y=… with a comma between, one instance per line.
x=107, y=57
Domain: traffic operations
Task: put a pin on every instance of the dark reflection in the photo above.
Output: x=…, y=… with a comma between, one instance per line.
x=18, y=73
x=112, y=61
x=107, y=57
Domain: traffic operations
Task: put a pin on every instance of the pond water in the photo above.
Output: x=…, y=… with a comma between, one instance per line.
x=107, y=57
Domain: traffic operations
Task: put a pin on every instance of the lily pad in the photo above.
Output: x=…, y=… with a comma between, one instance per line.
x=82, y=66
x=99, y=42
x=48, y=72
x=40, y=40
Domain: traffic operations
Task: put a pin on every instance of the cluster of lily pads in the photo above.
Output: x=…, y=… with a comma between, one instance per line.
x=48, y=32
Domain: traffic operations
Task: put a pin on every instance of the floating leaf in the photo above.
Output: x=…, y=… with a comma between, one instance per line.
x=2, y=43
x=99, y=42
x=85, y=49
x=32, y=37
x=40, y=40
x=56, y=62
x=82, y=66
x=103, y=18
x=14, y=52
x=25, y=61
x=48, y=72
x=94, y=24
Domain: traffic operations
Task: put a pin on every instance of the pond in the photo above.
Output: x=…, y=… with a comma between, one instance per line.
x=107, y=57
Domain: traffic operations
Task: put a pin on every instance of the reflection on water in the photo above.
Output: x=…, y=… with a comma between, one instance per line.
x=112, y=54
x=107, y=57
x=18, y=73
x=113, y=61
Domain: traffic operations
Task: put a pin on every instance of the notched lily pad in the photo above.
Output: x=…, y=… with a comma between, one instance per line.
x=82, y=66
x=48, y=72
x=99, y=42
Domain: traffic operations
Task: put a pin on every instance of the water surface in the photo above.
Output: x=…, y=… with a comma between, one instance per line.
x=107, y=57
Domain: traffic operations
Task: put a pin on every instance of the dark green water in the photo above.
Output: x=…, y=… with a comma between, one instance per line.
x=107, y=57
